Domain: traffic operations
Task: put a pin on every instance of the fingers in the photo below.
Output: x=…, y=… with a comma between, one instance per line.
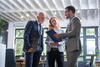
x=30, y=50
x=54, y=44
x=57, y=35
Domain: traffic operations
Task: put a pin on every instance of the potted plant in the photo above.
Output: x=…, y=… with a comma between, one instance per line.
x=3, y=31
x=3, y=26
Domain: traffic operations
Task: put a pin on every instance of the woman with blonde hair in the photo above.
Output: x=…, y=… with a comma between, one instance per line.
x=55, y=50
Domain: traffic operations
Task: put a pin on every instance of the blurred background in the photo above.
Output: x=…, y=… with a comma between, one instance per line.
x=14, y=14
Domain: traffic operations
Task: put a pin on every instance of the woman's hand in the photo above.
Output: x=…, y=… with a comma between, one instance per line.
x=54, y=44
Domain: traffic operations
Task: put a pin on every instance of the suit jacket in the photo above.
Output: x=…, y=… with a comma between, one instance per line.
x=73, y=34
x=32, y=36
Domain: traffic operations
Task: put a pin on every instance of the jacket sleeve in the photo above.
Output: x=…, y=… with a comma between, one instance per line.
x=26, y=36
x=63, y=40
x=72, y=33
x=48, y=40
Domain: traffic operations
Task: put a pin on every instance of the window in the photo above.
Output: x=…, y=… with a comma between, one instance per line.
x=81, y=37
x=90, y=46
x=19, y=33
x=19, y=46
x=45, y=35
x=81, y=34
x=82, y=45
x=89, y=38
x=19, y=41
x=90, y=31
x=89, y=41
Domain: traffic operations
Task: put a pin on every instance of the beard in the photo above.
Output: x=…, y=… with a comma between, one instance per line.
x=67, y=17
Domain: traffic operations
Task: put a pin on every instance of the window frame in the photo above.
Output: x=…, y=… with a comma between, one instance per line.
x=84, y=38
x=16, y=39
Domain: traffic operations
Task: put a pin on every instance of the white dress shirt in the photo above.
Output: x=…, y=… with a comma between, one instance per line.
x=61, y=44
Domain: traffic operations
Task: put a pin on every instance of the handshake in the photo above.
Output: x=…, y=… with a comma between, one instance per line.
x=54, y=44
x=57, y=35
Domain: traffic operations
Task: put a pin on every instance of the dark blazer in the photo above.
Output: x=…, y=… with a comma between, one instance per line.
x=32, y=37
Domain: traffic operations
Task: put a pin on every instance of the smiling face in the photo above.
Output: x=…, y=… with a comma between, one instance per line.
x=41, y=17
x=53, y=21
x=68, y=13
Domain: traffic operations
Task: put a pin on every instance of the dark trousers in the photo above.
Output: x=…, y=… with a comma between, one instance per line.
x=32, y=59
x=57, y=56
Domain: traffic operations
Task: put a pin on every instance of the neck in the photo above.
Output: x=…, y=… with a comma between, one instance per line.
x=56, y=27
x=72, y=15
x=38, y=22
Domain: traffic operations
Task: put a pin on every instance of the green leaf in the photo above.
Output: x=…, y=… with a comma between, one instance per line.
x=2, y=23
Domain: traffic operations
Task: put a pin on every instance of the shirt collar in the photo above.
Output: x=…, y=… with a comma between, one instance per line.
x=38, y=22
x=71, y=17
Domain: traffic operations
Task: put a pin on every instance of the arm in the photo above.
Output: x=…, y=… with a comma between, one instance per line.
x=75, y=25
x=61, y=43
x=48, y=41
x=26, y=35
x=63, y=40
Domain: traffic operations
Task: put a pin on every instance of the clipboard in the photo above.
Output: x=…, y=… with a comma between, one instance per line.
x=51, y=33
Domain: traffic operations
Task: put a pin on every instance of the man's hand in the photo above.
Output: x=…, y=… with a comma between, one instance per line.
x=30, y=50
x=54, y=44
x=57, y=35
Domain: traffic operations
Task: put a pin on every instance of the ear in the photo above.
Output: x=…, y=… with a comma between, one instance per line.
x=37, y=17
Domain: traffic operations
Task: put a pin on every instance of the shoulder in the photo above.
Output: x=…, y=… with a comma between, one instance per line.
x=76, y=20
x=31, y=22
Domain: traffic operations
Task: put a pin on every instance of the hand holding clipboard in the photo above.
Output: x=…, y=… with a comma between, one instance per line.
x=51, y=34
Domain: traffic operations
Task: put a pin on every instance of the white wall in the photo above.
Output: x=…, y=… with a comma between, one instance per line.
x=98, y=52
x=11, y=35
x=99, y=36
x=2, y=55
x=99, y=23
x=99, y=31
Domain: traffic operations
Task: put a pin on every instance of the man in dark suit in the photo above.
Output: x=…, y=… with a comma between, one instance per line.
x=72, y=35
x=33, y=41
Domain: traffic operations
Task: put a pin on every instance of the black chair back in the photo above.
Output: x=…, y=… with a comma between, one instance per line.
x=10, y=58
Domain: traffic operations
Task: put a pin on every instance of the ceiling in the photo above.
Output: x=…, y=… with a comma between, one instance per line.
x=22, y=10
